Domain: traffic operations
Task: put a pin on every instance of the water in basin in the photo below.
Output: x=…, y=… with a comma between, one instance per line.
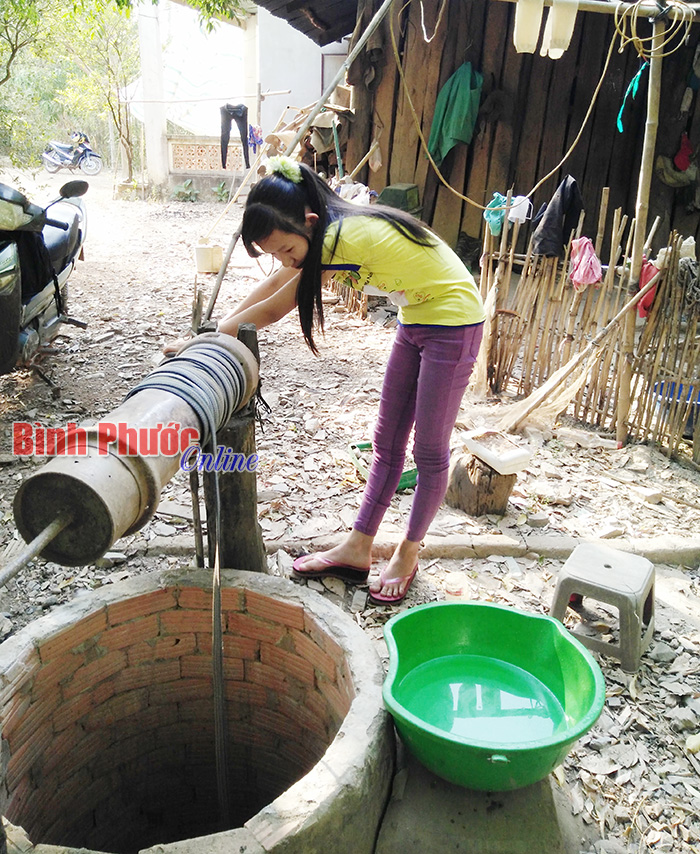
x=478, y=698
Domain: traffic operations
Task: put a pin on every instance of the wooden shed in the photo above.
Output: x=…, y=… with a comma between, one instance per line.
x=531, y=110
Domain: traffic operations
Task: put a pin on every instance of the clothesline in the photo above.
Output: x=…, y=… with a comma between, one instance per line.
x=263, y=95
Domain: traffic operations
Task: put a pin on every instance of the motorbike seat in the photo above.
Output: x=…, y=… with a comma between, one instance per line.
x=62, y=244
x=63, y=146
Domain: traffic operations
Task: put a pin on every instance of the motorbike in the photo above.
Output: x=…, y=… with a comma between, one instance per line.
x=74, y=155
x=37, y=255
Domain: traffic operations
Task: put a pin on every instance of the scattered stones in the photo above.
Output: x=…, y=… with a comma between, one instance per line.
x=538, y=520
x=577, y=485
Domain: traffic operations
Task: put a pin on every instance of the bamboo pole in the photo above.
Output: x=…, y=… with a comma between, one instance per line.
x=512, y=422
x=641, y=213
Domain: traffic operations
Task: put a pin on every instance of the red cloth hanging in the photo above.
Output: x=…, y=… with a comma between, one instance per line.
x=685, y=152
x=646, y=274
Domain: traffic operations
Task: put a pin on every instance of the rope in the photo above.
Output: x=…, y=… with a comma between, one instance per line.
x=212, y=382
x=426, y=38
x=629, y=14
x=206, y=377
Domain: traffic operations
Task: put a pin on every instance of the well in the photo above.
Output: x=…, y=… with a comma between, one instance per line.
x=108, y=721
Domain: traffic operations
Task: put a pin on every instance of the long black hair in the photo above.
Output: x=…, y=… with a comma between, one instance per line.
x=278, y=203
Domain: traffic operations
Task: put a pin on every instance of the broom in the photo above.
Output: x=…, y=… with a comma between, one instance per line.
x=576, y=370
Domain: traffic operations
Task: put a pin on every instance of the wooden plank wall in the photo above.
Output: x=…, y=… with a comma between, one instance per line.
x=539, y=105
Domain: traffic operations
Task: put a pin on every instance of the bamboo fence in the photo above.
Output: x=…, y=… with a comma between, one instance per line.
x=541, y=321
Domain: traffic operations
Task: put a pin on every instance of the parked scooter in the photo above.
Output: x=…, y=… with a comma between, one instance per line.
x=37, y=255
x=77, y=155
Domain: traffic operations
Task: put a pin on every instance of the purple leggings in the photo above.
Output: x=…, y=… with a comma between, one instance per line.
x=426, y=375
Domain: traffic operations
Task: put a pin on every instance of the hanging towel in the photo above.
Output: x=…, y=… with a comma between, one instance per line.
x=239, y=115
x=456, y=110
x=495, y=218
x=559, y=219
x=585, y=266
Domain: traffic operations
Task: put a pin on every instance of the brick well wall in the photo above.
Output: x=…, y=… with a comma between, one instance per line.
x=107, y=725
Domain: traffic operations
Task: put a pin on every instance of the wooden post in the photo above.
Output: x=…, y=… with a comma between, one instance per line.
x=241, y=541
x=641, y=213
x=477, y=488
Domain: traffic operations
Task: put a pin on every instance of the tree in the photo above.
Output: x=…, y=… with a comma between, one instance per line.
x=100, y=43
x=19, y=28
x=209, y=10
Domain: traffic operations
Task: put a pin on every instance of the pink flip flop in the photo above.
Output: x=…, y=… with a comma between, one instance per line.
x=378, y=599
x=350, y=574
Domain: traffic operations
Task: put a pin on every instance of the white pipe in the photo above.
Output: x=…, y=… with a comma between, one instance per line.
x=649, y=9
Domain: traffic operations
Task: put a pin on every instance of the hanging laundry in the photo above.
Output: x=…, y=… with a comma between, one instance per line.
x=456, y=110
x=685, y=152
x=646, y=274
x=495, y=213
x=631, y=90
x=667, y=173
x=585, y=265
x=693, y=83
x=368, y=67
x=239, y=115
x=255, y=137
x=561, y=19
x=526, y=29
x=557, y=219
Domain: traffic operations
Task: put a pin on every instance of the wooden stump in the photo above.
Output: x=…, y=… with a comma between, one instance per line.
x=476, y=488
x=242, y=545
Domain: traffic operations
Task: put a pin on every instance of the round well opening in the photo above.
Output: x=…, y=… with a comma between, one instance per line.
x=108, y=720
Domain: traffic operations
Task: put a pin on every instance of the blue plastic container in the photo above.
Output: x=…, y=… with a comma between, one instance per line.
x=489, y=697
x=667, y=396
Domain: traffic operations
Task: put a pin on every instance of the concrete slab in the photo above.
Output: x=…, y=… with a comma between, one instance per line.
x=426, y=813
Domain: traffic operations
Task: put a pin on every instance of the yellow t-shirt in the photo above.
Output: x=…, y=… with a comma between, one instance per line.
x=429, y=283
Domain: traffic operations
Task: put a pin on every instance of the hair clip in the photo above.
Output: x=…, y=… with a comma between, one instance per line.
x=286, y=167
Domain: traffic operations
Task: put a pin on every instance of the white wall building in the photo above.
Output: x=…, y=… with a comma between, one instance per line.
x=199, y=72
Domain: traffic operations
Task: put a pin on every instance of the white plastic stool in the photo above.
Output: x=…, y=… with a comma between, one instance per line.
x=617, y=578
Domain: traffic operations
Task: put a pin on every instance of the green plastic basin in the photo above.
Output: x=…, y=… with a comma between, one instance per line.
x=486, y=696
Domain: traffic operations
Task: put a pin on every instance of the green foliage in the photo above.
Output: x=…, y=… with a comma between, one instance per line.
x=209, y=10
x=186, y=192
x=20, y=27
x=221, y=192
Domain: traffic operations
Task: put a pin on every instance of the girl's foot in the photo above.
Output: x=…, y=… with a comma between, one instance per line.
x=389, y=590
x=397, y=576
x=336, y=563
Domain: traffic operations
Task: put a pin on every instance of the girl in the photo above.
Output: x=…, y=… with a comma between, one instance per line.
x=293, y=215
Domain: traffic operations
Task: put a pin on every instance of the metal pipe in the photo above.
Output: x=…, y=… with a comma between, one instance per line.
x=37, y=545
x=650, y=10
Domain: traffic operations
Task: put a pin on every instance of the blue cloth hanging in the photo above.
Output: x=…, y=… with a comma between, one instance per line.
x=631, y=89
x=494, y=218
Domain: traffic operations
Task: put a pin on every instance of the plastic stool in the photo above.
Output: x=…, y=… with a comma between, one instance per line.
x=617, y=578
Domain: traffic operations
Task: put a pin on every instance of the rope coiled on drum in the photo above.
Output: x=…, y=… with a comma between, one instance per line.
x=208, y=378
x=211, y=381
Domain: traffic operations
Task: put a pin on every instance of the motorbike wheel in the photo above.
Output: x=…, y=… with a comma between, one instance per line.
x=10, y=313
x=91, y=165
x=50, y=167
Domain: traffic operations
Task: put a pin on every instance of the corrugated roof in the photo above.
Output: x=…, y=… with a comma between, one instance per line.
x=323, y=21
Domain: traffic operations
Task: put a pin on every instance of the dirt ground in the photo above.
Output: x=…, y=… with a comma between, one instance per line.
x=632, y=782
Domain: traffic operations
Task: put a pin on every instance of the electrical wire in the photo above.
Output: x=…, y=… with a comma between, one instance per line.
x=628, y=18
